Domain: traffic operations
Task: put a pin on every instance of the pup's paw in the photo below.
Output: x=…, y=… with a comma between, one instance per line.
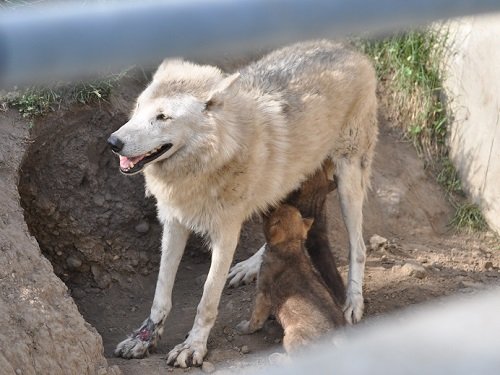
x=244, y=327
x=246, y=271
x=138, y=344
x=187, y=354
x=353, y=308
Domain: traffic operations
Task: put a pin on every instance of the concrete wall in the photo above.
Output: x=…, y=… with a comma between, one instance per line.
x=472, y=85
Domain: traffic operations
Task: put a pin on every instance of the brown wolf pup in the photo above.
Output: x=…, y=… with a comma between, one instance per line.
x=289, y=286
x=310, y=200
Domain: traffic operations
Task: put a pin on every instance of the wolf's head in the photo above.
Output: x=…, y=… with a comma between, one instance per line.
x=286, y=224
x=177, y=117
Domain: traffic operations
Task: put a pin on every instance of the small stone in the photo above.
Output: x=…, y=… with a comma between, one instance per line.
x=244, y=349
x=207, y=367
x=488, y=265
x=99, y=200
x=470, y=284
x=19, y=371
x=142, y=227
x=413, y=269
x=73, y=262
x=377, y=242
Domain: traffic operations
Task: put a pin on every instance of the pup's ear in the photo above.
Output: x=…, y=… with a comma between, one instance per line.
x=276, y=235
x=216, y=96
x=307, y=225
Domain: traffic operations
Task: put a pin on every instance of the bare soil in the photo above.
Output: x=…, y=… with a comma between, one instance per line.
x=102, y=237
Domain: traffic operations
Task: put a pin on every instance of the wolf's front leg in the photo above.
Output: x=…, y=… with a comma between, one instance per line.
x=246, y=271
x=137, y=345
x=194, y=348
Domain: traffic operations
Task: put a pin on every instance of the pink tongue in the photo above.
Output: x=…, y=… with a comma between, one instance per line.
x=126, y=163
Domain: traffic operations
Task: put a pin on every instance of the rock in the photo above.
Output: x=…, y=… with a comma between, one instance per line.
x=99, y=200
x=470, y=284
x=207, y=367
x=73, y=262
x=245, y=349
x=377, y=242
x=413, y=269
x=142, y=227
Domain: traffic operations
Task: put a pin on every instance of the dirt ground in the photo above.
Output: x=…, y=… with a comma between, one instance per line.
x=102, y=238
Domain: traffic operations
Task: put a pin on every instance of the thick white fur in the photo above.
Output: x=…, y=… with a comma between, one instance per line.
x=241, y=143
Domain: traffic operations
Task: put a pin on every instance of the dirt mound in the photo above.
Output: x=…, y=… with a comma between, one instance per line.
x=41, y=330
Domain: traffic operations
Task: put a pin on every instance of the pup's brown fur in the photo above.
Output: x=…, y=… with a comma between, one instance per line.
x=310, y=200
x=289, y=286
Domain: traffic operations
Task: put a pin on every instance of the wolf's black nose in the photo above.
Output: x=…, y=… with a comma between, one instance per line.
x=115, y=143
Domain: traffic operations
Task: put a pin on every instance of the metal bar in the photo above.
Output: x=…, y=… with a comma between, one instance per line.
x=43, y=43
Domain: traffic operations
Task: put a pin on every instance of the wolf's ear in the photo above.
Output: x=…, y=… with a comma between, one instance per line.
x=276, y=235
x=216, y=96
x=307, y=225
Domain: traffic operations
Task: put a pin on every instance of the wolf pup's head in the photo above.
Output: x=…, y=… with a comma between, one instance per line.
x=175, y=117
x=286, y=224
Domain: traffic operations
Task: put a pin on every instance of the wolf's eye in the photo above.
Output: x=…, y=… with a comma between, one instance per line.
x=163, y=117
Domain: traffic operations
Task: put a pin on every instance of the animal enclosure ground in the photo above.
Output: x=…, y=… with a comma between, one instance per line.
x=101, y=235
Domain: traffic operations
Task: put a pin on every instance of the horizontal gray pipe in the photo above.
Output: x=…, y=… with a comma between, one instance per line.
x=38, y=44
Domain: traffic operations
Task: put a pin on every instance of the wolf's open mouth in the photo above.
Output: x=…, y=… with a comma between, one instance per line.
x=135, y=164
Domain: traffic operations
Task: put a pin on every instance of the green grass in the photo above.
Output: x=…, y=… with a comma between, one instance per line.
x=468, y=217
x=410, y=75
x=408, y=66
x=34, y=102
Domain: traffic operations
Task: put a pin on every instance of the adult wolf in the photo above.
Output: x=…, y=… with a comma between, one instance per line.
x=214, y=149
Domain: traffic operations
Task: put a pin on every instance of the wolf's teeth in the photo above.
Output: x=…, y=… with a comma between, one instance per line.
x=131, y=165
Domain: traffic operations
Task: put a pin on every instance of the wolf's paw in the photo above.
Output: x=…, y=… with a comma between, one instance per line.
x=245, y=272
x=244, y=327
x=137, y=345
x=353, y=308
x=187, y=354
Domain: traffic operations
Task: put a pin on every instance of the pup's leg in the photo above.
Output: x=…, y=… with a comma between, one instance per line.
x=246, y=271
x=141, y=340
x=260, y=313
x=194, y=348
x=351, y=186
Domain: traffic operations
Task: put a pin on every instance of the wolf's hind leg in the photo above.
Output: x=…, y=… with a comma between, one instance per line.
x=246, y=271
x=137, y=345
x=351, y=187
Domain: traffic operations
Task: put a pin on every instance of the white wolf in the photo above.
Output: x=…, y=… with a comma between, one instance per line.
x=215, y=149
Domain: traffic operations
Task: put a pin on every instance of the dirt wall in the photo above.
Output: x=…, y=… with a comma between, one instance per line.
x=41, y=330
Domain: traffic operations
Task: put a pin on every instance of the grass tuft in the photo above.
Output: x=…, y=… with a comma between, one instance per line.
x=468, y=217
x=34, y=102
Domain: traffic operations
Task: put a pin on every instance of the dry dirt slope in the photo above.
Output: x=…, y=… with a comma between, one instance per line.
x=102, y=238
x=41, y=330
